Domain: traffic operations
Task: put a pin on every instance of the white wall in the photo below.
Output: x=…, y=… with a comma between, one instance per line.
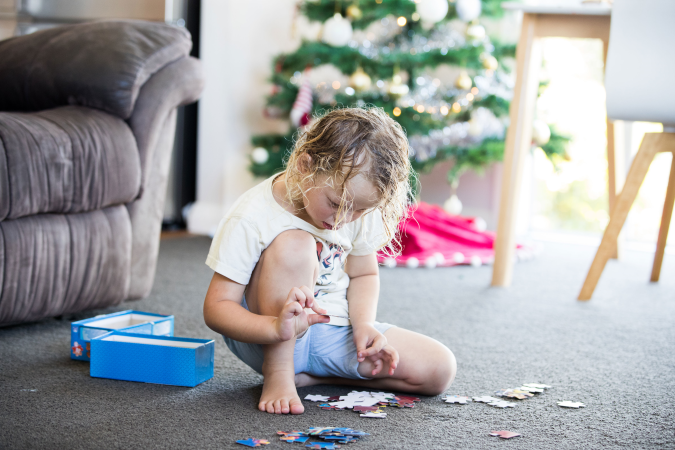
x=238, y=41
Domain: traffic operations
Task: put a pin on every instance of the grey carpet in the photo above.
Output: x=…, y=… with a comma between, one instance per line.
x=615, y=353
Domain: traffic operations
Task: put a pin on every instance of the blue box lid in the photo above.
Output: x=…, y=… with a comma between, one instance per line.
x=82, y=331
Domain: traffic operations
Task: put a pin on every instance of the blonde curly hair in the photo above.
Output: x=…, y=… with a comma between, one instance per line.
x=345, y=142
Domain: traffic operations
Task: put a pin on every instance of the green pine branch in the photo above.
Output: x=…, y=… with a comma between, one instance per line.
x=475, y=158
x=347, y=59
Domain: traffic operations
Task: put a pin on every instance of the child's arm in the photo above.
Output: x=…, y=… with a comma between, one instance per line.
x=362, y=295
x=224, y=314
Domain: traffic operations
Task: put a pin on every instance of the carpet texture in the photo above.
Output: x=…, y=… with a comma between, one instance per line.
x=615, y=353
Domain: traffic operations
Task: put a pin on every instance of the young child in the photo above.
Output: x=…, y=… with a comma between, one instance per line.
x=296, y=282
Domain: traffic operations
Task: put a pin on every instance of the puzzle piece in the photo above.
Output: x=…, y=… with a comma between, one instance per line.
x=514, y=393
x=367, y=408
x=317, y=398
x=485, y=399
x=298, y=439
x=313, y=431
x=334, y=398
x=328, y=407
x=537, y=386
x=568, y=404
x=406, y=398
x=504, y=434
x=251, y=442
x=456, y=399
x=403, y=405
x=374, y=415
x=342, y=439
x=322, y=445
x=502, y=404
x=351, y=432
x=530, y=389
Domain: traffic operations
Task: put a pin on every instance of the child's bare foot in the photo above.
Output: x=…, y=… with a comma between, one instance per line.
x=279, y=395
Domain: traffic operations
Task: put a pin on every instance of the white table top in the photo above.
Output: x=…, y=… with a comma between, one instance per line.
x=560, y=7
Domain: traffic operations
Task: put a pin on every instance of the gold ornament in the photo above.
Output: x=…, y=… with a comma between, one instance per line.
x=354, y=12
x=397, y=88
x=463, y=81
x=359, y=80
x=490, y=62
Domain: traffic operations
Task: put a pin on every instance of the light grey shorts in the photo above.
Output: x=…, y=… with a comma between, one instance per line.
x=323, y=351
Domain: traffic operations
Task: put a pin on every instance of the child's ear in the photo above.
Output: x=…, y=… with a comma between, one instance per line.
x=304, y=163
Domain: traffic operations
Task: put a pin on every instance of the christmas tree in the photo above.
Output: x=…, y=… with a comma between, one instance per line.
x=389, y=49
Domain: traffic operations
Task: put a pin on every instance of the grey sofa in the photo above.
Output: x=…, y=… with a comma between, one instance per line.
x=87, y=120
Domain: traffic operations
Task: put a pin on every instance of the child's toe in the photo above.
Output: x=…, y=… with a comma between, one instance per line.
x=284, y=406
x=296, y=406
x=277, y=406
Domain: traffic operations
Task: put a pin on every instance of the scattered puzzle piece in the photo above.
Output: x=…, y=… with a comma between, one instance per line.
x=504, y=434
x=530, y=389
x=317, y=398
x=456, y=399
x=568, y=404
x=514, y=393
x=537, y=386
x=367, y=408
x=485, y=399
x=298, y=439
x=251, y=442
x=328, y=406
x=341, y=438
x=502, y=404
x=322, y=445
x=375, y=415
x=406, y=398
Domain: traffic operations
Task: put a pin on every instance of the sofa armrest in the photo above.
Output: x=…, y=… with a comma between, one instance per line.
x=99, y=64
x=153, y=124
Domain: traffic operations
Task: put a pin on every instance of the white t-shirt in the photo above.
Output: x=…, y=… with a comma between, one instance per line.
x=253, y=222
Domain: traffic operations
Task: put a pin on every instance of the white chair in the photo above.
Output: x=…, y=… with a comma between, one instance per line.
x=641, y=42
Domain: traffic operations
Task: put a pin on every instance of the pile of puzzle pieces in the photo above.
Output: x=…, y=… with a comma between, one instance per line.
x=332, y=435
x=525, y=391
x=368, y=404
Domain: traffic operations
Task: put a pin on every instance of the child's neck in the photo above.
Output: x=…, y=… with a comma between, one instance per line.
x=281, y=197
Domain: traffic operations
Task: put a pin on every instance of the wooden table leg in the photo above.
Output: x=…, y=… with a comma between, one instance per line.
x=518, y=141
x=637, y=173
x=614, y=174
x=613, y=179
x=665, y=223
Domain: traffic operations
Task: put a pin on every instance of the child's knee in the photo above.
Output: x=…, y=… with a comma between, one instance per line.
x=293, y=251
x=445, y=372
x=440, y=373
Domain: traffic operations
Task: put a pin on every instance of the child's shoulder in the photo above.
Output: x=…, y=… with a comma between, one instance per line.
x=255, y=202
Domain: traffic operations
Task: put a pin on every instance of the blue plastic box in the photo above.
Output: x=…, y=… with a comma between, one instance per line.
x=152, y=359
x=138, y=322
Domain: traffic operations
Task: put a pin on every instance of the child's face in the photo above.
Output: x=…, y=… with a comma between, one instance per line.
x=322, y=202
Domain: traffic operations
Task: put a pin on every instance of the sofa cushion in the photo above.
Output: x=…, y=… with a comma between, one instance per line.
x=97, y=64
x=52, y=264
x=65, y=160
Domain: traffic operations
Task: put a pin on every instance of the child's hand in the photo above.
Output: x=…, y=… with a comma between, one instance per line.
x=372, y=345
x=293, y=319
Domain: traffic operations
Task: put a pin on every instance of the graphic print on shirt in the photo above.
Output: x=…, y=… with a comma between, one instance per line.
x=330, y=259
